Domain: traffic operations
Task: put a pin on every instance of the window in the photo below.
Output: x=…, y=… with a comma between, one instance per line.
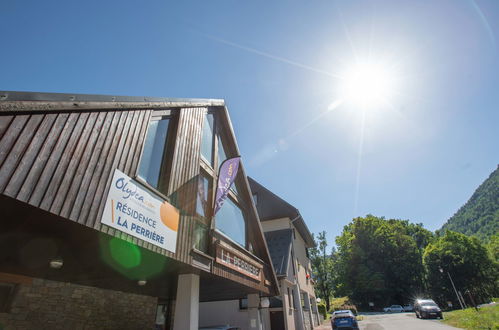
x=200, y=236
x=243, y=303
x=293, y=298
x=7, y=291
x=203, y=202
x=289, y=299
x=275, y=302
x=255, y=199
x=230, y=221
x=222, y=155
x=207, y=139
x=152, y=167
x=302, y=300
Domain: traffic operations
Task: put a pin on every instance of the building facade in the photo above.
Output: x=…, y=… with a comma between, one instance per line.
x=288, y=240
x=109, y=199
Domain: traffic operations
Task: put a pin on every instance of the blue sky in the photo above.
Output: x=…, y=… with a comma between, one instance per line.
x=276, y=63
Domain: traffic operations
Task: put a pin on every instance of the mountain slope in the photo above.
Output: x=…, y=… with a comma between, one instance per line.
x=480, y=215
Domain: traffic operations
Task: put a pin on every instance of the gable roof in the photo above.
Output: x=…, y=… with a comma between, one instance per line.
x=39, y=103
x=279, y=244
x=270, y=207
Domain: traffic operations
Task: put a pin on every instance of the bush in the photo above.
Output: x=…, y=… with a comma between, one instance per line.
x=342, y=303
x=322, y=309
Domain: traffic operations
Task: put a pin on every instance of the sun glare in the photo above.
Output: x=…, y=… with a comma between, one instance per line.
x=368, y=85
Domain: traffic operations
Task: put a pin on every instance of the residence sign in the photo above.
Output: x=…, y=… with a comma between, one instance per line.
x=136, y=211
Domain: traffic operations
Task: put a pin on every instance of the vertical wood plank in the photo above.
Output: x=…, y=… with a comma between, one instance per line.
x=34, y=146
x=41, y=160
x=185, y=168
x=93, y=169
x=71, y=170
x=140, y=142
x=111, y=165
x=16, y=153
x=45, y=180
x=92, y=193
x=11, y=134
x=88, y=147
x=132, y=154
x=4, y=124
x=127, y=146
x=63, y=162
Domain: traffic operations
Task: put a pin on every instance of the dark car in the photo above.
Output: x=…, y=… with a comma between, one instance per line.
x=426, y=308
x=344, y=320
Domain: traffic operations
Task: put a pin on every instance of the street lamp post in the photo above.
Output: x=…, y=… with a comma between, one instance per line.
x=452, y=282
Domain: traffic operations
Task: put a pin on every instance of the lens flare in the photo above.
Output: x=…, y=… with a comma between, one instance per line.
x=368, y=85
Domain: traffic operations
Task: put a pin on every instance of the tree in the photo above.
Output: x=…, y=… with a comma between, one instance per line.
x=480, y=215
x=322, y=266
x=379, y=260
x=467, y=261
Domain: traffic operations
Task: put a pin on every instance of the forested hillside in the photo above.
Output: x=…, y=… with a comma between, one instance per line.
x=480, y=215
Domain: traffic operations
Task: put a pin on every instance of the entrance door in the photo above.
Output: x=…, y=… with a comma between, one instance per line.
x=276, y=320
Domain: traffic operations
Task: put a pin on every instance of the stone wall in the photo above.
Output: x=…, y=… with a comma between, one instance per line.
x=45, y=304
x=306, y=320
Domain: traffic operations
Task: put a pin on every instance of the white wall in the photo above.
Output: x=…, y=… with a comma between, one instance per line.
x=275, y=224
x=305, y=264
x=223, y=312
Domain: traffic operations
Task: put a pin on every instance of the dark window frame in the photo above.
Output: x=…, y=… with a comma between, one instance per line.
x=241, y=304
x=221, y=138
x=8, y=292
x=164, y=177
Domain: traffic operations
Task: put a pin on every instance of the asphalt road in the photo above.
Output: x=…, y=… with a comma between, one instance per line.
x=400, y=321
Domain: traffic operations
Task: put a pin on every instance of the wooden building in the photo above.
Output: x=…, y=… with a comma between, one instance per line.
x=288, y=240
x=59, y=155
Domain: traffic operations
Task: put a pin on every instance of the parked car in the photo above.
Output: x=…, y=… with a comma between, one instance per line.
x=393, y=308
x=343, y=320
x=220, y=327
x=426, y=308
x=408, y=308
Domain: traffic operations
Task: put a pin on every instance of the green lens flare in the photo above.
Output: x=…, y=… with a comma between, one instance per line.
x=130, y=260
x=125, y=253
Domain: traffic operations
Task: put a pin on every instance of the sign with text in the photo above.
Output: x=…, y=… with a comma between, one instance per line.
x=134, y=210
x=226, y=176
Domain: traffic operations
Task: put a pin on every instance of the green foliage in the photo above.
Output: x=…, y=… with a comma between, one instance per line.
x=322, y=310
x=380, y=260
x=480, y=215
x=342, y=303
x=485, y=318
x=323, y=268
x=337, y=303
x=493, y=247
x=467, y=262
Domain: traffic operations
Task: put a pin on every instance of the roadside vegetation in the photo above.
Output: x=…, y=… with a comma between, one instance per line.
x=484, y=318
x=378, y=262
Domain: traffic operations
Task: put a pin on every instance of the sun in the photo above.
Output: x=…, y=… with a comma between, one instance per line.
x=368, y=85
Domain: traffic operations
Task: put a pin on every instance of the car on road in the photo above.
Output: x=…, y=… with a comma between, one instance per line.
x=393, y=308
x=408, y=308
x=426, y=308
x=344, y=320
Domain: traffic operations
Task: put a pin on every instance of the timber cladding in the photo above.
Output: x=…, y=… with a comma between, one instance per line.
x=62, y=162
x=61, y=156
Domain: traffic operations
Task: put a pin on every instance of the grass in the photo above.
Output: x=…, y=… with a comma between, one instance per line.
x=486, y=318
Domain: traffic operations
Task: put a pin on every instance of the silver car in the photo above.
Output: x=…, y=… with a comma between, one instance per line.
x=394, y=308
